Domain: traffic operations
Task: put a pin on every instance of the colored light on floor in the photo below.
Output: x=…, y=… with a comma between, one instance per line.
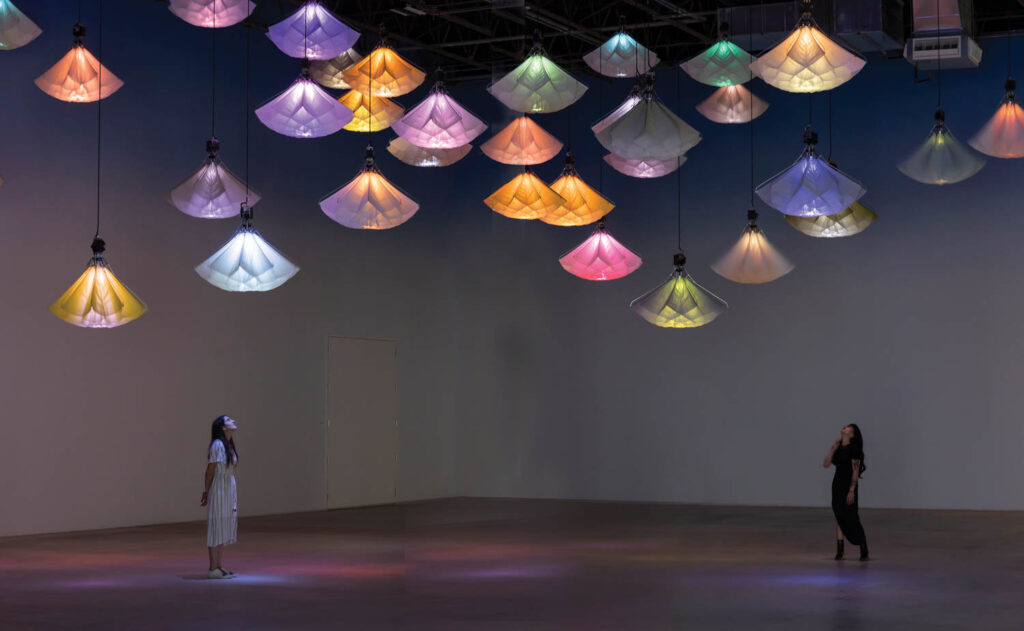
x=846, y=223
x=526, y=196
x=522, y=142
x=330, y=72
x=304, y=110
x=385, y=73
x=370, y=113
x=679, y=302
x=942, y=159
x=439, y=122
x=212, y=192
x=246, y=263
x=538, y=85
x=1003, y=135
x=724, y=63
x=79, y=78
x=583, y=205
x=98, y=300
x=752, y=260
x=212, y=13
x=807, y=61
x=16, y=29
x=369, y=202
x=600, y=257
x=732, y=104
x=644, y=169
x=422, y=157
x=621, y=56
x=649, y=131
x=312, y=32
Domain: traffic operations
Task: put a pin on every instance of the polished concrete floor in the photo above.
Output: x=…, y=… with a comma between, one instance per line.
x=503, y=565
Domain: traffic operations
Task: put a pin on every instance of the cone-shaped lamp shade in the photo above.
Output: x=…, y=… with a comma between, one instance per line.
x=525, y=197
x=649, y=131
x=212, y=13
x=212, y=192
x=537, y=86
x=600, y=257
x=330, y=72
x=941, y=159
x=369, y=201
x=621, y=56
x=807, y=61
x=439, y=122
x=97, y=300
x=644, y=169
x=620, y=111
x=76, y=78
x=583, y=205
x=811, y=187
x=246, y=263
x=304, y=110
x=679, y=303
x=385, y=112
x=522, y=142
x=421, y=157
x=1003, y=134
x=312, y=32
x=16, y=29
x=846, y=223
x=752, y=260
x=385, y=72
x=732, y=104
x=724, y=63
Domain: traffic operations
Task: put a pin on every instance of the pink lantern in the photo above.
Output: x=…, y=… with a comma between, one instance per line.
x=439, y=122
x=644, y=169
x=732, y=104
x=304, y=110
x=600, y=257
x=212, y=13
x=312, y=32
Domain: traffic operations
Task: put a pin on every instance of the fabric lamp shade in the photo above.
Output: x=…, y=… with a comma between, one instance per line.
x=330, y=72
x=846, y=223
x=522, y=142
x=679, y=302
x=942, y=159
x=79, y=77
x=807, y=61
x=644, y=169
x=385, y=73
x=1003, y=135
x=752, y=260
x=312, y=32
x=631, y=101
x=16, y=29
x=600, y=257
x=212, y=13
x=649, y=131
x=537, y=86
x=304, y=110
x=583, y=205
x=422, y=157
x=621, y=56
x=525, y=197
x=212, y=192
x=723, y=64
x=98, y=300
x=439, y=122
x=732, y=104
x=246, y=262
x=369, y=201
x=370, y=114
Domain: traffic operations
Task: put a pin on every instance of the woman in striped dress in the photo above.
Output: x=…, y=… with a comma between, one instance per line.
x=219, y=498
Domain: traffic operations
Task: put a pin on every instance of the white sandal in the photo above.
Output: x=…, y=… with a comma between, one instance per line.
x=216, y=573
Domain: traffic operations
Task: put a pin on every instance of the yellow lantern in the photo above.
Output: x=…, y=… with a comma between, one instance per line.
x=97, y=300
x=583, y=205
x=384, y=73
x=370, y=114
x=525, y=197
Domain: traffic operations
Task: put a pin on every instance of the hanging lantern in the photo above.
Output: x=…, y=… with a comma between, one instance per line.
x=330, y=72
x=422, y=157
x=212, y=192
x=752, y=260
x=384, y=72
x=439, y=122
x=644, y=169
x=679, y=303
x=97, y=300
x=522, y=142
x=537, y=86
x=732, y=104
x=312, y=32
x=941, y=159
x=304, y=110
x=807, y=60
x=76, y=77
x=369, y=201
x=583, y=205
x=845, y=223
x=600, y=257
x=246, y=262
x=1003, y=134
x=370, y=114
x=621, y=56
x=649, y=131
x=723, y=64
x=525, y=197
x=635, y=96
x=16, y=29
x=212, y=13
x=811, y=187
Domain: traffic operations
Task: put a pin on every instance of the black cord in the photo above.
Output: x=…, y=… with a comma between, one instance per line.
x=213, y=74
x=248, y=73
x=679, y=174
x=600, y=111
x=99, y=118
x=810, y=108
x=750, y=45
x=1009, y=56
x=938, y=52
x=829, y=126
x=79, y=11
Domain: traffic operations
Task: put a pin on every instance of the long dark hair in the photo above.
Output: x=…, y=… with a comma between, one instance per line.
x=217, y=433
x=857, y=445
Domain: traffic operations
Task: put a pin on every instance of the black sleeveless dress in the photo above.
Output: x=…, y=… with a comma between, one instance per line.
x=846, y=514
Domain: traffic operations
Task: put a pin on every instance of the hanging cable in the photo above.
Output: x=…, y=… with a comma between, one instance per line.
x=99, y=118
x=938, y=53
x=829, y=158
x=1009, y=56
x=213, y=74
x=679, y=176
x=248, y=73
x=750, y=46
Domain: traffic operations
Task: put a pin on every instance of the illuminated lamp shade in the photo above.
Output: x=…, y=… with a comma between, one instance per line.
x=312, y=32
x=583, y=205
x=811, y=187
x=621, y=56
x=97, y=300
x=522, y=142
x=16, y=29
x=212, y=192
x=439, y=122
x=422, y=157
x=304, y=110
x=600, y=257
x=752, y=260
x=76, y=77
x=620, y=111
x=941, y=159
x=847, y=223
x=370, y=114
x=807, y=60
x=537, y=86
x=329, y=72
x=525, y=197
x=723, y=64
x=644, y=169
x=246, y=262
x=679, y=302
x=369, y=201
x=384, y=72
x=649, y=131
x=732, y=104
x=212, y=13
x=1003, y=134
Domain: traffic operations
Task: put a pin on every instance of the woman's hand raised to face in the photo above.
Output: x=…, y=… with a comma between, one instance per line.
x=839, y=441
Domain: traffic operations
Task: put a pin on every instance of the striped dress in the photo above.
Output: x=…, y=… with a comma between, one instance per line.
x=222, y=501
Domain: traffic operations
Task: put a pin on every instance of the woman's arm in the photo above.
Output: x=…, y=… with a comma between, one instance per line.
x=831, y=452
x=853, y=482
x=210, y=468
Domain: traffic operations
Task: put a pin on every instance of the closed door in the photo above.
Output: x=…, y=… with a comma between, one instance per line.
x=362, y=421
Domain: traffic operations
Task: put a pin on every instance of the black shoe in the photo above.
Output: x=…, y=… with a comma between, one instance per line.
x=839, y=550
x=863, y=552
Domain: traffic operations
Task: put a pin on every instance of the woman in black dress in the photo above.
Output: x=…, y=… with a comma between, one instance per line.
x=847, y=454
